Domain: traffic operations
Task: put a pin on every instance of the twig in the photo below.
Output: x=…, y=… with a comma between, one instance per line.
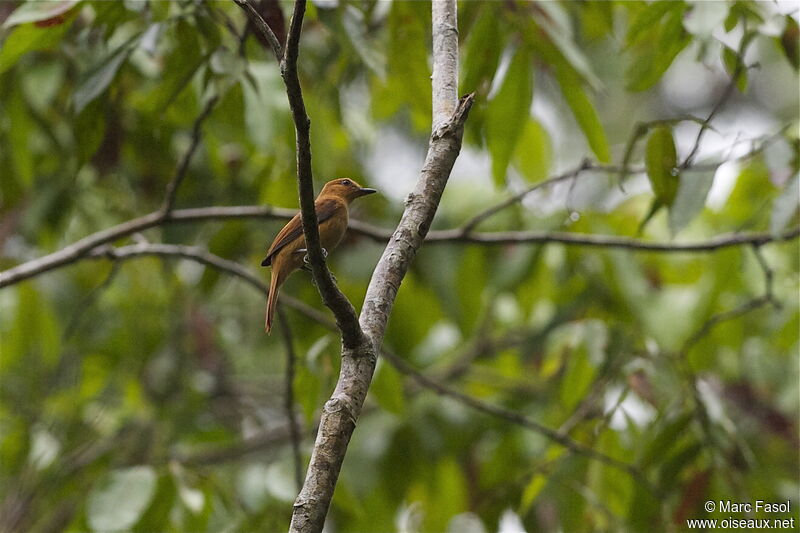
x=516, y=418
x=204, y=257
x=262, y=27
x=754, y=303
x=470, y=224
x=180, y=172
x=294, y=432
x=706, y=124
x=768, y=276
x=607, y=241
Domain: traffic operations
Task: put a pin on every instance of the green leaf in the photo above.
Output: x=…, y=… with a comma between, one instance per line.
x=558, y=28
x=731, y=20
x=664, y=440
x=690, y=199
x=790, y=42
x=533, y=155
x=98, y=78
x=34, y=340
x=20, y=132
x=753, y=182
x=597, y=19
x=732, y=62
x=179, y=67
x=508, y=112
x=584, y=112
x=38, y=11
x=354, y=27
x=577, y=379
x=90, y=129
x=647, y=19
x=661, y=161
x=785, y=206
x=471, y=279
x=485, y=43
x=580, y=347
x=671, y=467
x=657, y=53
x=28, y=38
x=118, y=500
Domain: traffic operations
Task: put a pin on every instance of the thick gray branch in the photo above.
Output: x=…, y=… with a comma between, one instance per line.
x=444, y=81
x=358, y=362
x=421, y=206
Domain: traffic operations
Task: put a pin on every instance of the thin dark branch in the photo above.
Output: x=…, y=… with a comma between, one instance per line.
x=590, y=166
x=608, y=241
x=77, y=250
x=470, y=224
x=204, y=257
x=334, y=299
x=294, y=430
x=768, y=276
x=180, y=172
x=511, y=416
x=262, y=27
x=768, y=297
x=706, y=124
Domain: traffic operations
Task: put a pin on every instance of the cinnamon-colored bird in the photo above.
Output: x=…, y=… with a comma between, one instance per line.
x=288, y=250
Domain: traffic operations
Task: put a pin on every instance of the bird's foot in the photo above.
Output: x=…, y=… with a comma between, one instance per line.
x=306, y=262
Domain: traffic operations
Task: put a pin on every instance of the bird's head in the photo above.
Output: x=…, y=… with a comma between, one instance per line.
x=346, y=189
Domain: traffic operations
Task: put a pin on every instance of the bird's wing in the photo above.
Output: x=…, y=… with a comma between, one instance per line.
x=325, y=209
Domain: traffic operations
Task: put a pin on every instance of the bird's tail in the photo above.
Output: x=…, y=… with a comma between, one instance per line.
x=272, y=299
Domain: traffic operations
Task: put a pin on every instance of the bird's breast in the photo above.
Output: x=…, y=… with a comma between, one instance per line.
x=332, y=230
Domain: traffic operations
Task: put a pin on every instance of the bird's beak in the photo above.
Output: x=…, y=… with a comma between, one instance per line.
x=363, y=191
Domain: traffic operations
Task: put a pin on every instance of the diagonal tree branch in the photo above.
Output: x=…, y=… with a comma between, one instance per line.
x=342, y=309
x=556, y=436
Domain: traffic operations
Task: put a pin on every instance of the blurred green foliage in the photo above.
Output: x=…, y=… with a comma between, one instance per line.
x=144, y=395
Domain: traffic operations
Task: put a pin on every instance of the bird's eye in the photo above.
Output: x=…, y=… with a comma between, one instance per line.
x=346, y=182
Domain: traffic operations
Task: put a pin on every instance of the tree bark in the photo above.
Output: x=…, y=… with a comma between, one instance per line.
x=342, y=410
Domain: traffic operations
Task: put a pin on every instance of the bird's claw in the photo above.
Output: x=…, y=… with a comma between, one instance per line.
x=307, y=264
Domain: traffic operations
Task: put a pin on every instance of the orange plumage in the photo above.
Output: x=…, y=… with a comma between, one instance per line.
x=287, y=252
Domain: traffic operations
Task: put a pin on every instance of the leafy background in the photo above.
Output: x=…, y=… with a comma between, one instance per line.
x=143, y=395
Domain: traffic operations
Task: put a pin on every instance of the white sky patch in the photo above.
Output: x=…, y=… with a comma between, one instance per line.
x=510, y=522
x=724, y=181
x=394, y=163
x=635, y=409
